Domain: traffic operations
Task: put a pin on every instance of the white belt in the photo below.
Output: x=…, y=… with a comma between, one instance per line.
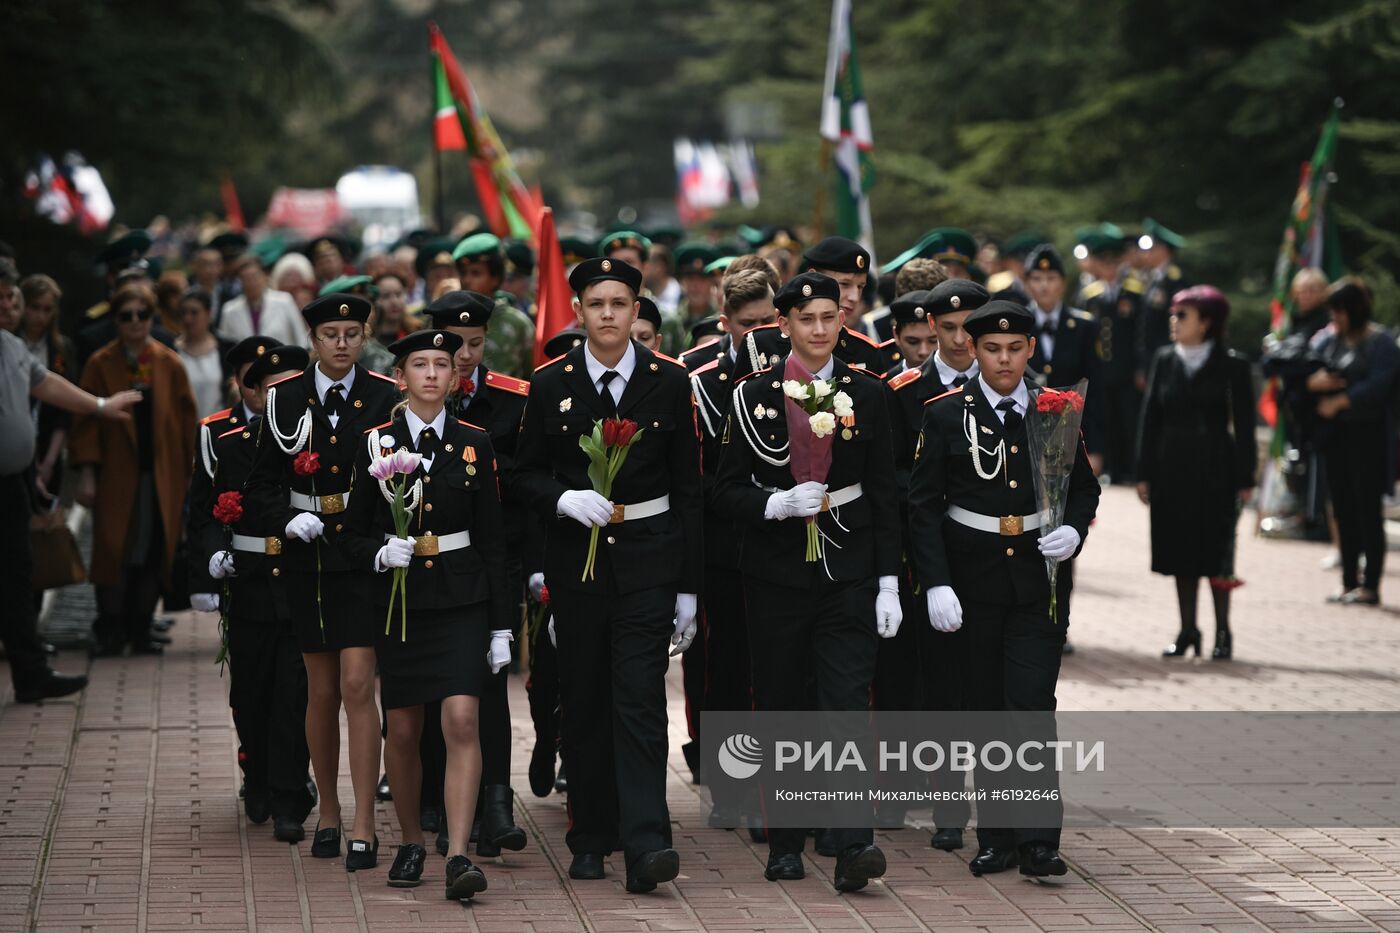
x=627, y=513
x=251, y=545
x=430, y=545
x=832, y=500
x=1003, y=525
x=326, y=505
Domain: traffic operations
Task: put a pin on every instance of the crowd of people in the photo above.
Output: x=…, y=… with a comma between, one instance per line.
x=354, y=461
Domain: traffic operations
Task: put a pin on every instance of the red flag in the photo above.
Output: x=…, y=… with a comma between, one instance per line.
x=232, y=211
x=555, y=310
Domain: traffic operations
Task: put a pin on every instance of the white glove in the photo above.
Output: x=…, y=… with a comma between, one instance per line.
x=888, y=613
x=305, y=526
x=396, y=552
x=551, y=632
x=944, y=610
x=800, y=501
x=498, y=655
x=221, y=565
x=1060, y=543
x=204, y=602
x=536, y=585
x=685, y=623
x=584, y=506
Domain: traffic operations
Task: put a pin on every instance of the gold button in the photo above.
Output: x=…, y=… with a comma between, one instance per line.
x=246, y=435
x=339, y=527
x=723, y=376
x=1010, y=551
x=568, y=367
x=429, y=479
x=332, y=438
x=1012, y=484
x=428, y=507
x=335, y=469
x=1015, y=449
x=1047, y=369
x=277, y=571
x=428, y=564
x=611, y=539
x=359, y=404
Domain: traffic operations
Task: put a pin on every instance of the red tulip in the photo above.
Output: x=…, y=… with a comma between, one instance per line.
x=626, y=430
x=610, y=426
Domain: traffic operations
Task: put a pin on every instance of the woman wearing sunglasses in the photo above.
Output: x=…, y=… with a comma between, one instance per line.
x=133, y=473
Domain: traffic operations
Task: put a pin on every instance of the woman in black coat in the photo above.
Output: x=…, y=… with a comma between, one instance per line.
x=1197, y=459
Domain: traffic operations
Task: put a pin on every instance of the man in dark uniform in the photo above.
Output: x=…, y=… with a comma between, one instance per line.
x=267, y=685
x=848, y=263
x=914, y=340
x=820, y=619
x=494, y=403
x=980, y=551
x=1162, y=278
x=612, y=626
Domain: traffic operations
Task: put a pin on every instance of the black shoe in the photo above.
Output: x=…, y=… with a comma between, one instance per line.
x=256, y=807
x=498, y=829
x=1223, y=647
x=381, y=791
x=360, y=854
x=947, y=839
x=651, y=869
x=784, y=867
x=856, y=865
x=463, y=879
x=326, y=843
x=690, y=751
x=826, y=843
x=430, y=818
x=561, y=781
x=1040, y=860
x=50, y=686
x=990, y=860
x=407, y=870
x=1186, y=638
x=586, y=866
x=442, y=842
x=542, y=768
x=286, y=829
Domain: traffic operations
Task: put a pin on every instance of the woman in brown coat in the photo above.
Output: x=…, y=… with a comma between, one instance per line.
x=134, y=473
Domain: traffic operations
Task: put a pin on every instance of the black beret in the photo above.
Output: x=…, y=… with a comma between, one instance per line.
x=247, y=350
x=461, y=309
x=649, y=311
x=1000, y=317
x=564, y=341
x=763, y=347
x=520, y=259
x=911, y=308
x=956, y=295
x=803, y=288
x=1044, y=258
x=229, y=243
x=443, y=340
x=838, y=254
x=602, y=270
x=705, y=327
x=278, y=359
x=337, y=306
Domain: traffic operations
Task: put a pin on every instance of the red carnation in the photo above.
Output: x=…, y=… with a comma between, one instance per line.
x=228, y=510
x=307, y=463
x=1051, y=402
x=544, y=596
x=468, y=385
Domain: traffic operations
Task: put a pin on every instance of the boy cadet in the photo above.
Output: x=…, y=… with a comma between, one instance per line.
x=847, y=262
x=481, y=268
x=820, y=620
x=612, y=628
x=980, y=551
x=267, y=688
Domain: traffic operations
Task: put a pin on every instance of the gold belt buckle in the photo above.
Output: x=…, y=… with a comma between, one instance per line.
x=332, y=504
x=272, y=545
x=826, y=502
x=425, y=546
x=1012, y=524
x=619, y=513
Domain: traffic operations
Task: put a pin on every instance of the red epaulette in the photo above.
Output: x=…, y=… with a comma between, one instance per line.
x=548, y=363
x=887, y=344
x=378, y=426
x=286, y=379
x=209, y=419
x=669, y=359
x=904, y=378
x=747, y=376
x=468, y=424
x=944, y=395
x=508, y=383
x=712, y=364
x=234, y=431
x=866, y=338
x=388, y=379
x=861, y=369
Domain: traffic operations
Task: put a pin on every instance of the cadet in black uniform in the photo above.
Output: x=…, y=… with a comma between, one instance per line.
x=612, y=630
x=455, y=613
x=848, y=263
x=1161, y=278
x=316, y=420
x=980, y=552
x=816, y=622
x=496, y=403
x=940, y=654
x=1114, y=298
x=267, y=679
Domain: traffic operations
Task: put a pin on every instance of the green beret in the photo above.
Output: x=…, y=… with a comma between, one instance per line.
x=576, y=249
x=720, y=264
x=1155, y=232
x=346, y=283
x=623, y=239
x=477, y=246
x=693, y=257
x=957, y=245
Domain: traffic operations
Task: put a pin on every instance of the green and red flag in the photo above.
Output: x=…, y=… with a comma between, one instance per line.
x=461, y=123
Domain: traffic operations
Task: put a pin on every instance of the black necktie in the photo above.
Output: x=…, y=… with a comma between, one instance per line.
x=1050, y=326
x=334, y=396
x=428, y=442
x=1012, y=421
x=253, y=421
x=609, y=403
x=959, y=380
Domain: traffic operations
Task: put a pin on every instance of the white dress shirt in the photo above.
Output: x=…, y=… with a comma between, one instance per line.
x=416, y=426
x=1021, y=397
x=946, y=373
x=624, y=369
x=324, y=383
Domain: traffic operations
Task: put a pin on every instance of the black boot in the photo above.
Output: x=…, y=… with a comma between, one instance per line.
x=498, y=829
x=1224, y=649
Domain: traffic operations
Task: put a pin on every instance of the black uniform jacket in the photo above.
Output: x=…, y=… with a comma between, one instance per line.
x=713, y=386
x=1076, y=357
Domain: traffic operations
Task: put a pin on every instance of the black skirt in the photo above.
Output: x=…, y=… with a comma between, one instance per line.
x=443, y=655
x=338, y=614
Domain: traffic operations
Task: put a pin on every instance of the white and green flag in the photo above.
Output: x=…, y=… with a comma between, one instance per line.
x=846, y=125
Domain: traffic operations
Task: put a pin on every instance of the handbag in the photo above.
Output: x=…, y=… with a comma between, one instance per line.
x=57, y=560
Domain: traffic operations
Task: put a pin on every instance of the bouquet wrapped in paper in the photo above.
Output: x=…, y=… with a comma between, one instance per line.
x=1052, y=436
x=816, y=405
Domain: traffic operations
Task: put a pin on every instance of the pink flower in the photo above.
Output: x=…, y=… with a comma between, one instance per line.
x=381, y=468
x=405, y=462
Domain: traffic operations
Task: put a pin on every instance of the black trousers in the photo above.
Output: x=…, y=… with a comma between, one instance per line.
x=19, y=621
x=267, y=693
x=1012, y=664
x=726, y=649
x=1121, y=410
x=612, y=690
x=542, y=687
x=1356, y=479
x=942, y=660
x=812, y=645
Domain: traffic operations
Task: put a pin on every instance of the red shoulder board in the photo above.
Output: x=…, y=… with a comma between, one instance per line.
x=861, y=369
x=234, y=431
x=856, y=333
x=468, y=424
x=757, y=372
x=712, y=364
x=548, y=363
x=378, y=426
x=216, y=416
x=944, y=395
x=285, y=379
x=669, y=359
x=507, y=384
x=887, y=344
x=387, y=379
x=906, y=377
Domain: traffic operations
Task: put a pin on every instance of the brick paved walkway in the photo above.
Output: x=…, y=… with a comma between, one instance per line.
x=118, y=811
